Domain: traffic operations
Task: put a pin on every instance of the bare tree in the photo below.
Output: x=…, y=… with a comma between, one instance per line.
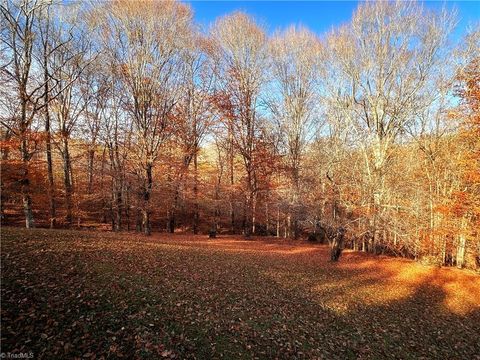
x=380, y=83
x=145, y=41
x=68, y=104
x=46, y=52
x=116, y=134
x=95, y=92
x=20, y=22
x=294, y=102
x=194, y=115
x=241, y=57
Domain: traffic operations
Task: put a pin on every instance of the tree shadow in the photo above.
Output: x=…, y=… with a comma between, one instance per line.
x=395, y=312
x=107, y=295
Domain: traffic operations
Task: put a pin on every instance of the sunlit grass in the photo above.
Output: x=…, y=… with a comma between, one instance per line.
x=125, y=294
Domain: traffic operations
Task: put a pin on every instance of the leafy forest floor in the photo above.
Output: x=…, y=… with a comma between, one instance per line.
x=88, y=294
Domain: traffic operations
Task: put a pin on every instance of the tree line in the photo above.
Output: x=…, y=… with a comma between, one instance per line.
x=131, y=115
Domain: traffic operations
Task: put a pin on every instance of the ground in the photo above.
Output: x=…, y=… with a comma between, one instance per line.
x=89, y=294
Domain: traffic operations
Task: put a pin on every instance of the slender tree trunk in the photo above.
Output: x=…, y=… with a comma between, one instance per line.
x=67, y=180
x=51, y=183
x=254, y=209
x=295, y=200
x=25, y=178
x=118, y=209
x=102, y=177
x=267, y=218
x=376, y=227
x=232, y=215
x=172, y=218
x=3, y=197
x=196, y=213
x=171, y=221
x=146, y=208
x=278, y=221
x=324, y=202
x=138, y=220
x=217, y=208
x=117, y=186
x=462, y=242
x=461, y=251
x=249, y=205
x=112, y=215
x=25, y=181
x=444, y=250
x=127, y=204
x=244, y=219
x=232, y=197
x=146, y=222
x=289, y=226
x=117, y=204
x=296, y=231
x=91, y=159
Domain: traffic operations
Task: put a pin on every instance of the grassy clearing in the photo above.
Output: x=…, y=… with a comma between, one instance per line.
x=72, y=294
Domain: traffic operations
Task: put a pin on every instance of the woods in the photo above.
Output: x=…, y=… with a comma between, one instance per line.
x=131, y=116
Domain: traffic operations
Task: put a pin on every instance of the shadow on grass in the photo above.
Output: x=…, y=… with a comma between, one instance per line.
x=73, y=294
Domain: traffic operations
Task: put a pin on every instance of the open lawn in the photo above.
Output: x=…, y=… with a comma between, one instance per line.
x=97, y=295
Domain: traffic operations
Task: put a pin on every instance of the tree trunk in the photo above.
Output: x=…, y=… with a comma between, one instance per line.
x=25, y=181
x=117, y=204
x=91, y=158
x=171, y=221
x=267, y=218
x=146, y=197
x=232, y=215
x=232, y=178
x=3, y=197
x=248, y=216
x=51, y=183
x=67, y=180
x=295, y=201
x=127, y=205
x=217, y=208
x=196, y=213
x=172, y=218
x=138, y=220
x=102, y=177
x=462, y=240
x=254, y=209
x=379, y=156
x=289, y=225
x=337, y=244
x=461, y=251
x=246, y=227
x=296, y=231
x=278, y=221
x=146, y=222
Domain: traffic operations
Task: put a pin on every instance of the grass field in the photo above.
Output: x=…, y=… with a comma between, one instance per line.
x=69, y=294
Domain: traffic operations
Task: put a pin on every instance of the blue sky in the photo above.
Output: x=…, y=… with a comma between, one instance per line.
x=319, y=16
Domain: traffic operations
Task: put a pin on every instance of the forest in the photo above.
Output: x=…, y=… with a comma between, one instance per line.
x=130, y=116
x=174, y=188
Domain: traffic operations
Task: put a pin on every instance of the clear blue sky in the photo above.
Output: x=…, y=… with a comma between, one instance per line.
x=319, y=16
